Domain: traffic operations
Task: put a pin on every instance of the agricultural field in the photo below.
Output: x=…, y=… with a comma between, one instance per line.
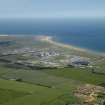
x=58, y=84
x=24, y=80
x=38, y=88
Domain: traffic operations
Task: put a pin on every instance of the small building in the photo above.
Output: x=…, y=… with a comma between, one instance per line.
x=79, y=61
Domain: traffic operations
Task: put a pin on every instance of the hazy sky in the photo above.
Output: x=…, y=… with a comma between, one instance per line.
x=52, y=8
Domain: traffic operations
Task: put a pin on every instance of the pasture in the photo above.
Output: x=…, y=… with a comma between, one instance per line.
x=36, y=88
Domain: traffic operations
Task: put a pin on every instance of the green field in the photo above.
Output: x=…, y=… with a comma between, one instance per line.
x=23, y=85
x=15, y=93
x=46, y=87
x=83, y=75
x=39, y=88
x=8, y=95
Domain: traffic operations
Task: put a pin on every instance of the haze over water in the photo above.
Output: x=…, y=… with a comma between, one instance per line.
x=85, y=33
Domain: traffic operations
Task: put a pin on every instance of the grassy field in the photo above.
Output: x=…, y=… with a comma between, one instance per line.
x=39, y=88
x=43, y=87
x=8, y=95
x=16, y=93
x=83, y=75
x=4, y=70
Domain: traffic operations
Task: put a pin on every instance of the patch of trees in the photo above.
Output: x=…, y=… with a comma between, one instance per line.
x=44, y=85
x=5, y=60
x=19, y=80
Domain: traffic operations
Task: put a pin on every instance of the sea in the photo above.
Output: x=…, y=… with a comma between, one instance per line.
x=84, y=33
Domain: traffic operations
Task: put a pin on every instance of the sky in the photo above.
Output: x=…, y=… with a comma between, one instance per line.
x=52, y=8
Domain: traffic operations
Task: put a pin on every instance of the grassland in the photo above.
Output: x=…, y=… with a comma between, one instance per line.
x=27, y=94
x=7, y=95
x=38, y=87
x=83, y=75
x=48, y=86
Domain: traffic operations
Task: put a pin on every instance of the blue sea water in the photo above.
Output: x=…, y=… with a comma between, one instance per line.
x=84, y=33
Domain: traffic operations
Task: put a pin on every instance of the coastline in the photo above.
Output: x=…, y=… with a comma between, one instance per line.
x=49, y=39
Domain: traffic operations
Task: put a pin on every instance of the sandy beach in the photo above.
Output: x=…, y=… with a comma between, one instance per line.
x=50, y=40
